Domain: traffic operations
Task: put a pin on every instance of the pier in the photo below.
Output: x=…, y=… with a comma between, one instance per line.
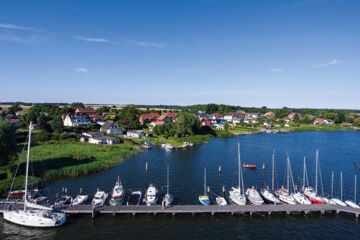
x=232, y=209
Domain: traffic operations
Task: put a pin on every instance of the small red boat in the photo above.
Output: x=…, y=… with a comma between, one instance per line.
x=17, y=193
x=251, y=166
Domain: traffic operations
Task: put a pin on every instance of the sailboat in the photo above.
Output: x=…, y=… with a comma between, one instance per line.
x=309, y=191
x=353, y=203
x=284, y=193
x=118, y=194
x=254, y=196
x=204, y=199
x=237, y=194
x=40, y=217
x=299, y=196
x=168, y=198
x=267, y=194
x=337, y=201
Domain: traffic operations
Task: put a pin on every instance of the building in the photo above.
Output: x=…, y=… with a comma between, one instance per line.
x=85, y=136
x=104, y=140
x=111, y=127
x=84, y=111
x=164, y=118
x=269, y=115
x=293, y=115
x=76, y=120
x=319, y=121
x=233, y=119
x=135, y=134
x=96, y=117
x=148, y=117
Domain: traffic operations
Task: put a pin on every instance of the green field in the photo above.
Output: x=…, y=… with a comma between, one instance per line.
x=68, y=158
x=311, y=127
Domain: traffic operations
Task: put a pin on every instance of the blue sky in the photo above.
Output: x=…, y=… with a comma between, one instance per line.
x=248, y=53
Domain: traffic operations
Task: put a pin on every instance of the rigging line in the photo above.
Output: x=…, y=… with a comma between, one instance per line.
x=17, y=168
x=322, y=189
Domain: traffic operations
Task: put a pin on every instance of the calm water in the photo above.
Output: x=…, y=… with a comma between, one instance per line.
x=337, y=152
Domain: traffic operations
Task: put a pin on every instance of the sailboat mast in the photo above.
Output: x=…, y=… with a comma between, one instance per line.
x=167, y=180
x=332, y=183
x=239, y=163
x=303, y=186
x=341, y=190
x=316, y=171
x=287, y=178
x=240, y=172
x=204, y=181
x=355, y=190
x=27, y=166
x=273, y=171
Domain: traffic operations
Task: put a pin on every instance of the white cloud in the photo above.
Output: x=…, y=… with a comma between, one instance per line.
x=276, y=70
x=96, y=40
x=81, y=70
x=16, y=27
x=149, y=44
x=335, y=61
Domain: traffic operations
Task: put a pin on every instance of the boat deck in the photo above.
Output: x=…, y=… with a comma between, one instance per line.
x=198, y=209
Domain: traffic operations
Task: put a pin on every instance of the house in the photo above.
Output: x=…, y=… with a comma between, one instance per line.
x=329, y=122
x=164, y=118
x=319, y=121
x=171, y=116
x=104, y=140
x=87, y=135
x=310, y=116
x=157, y=123
x=148, y=117
x=269, y=115
x=84, y=111
x=76, y=120
x=233, y=119
x=293, y=115
x=111, y=127
x=205, y=123
x=239, y=114
x=219, y=126
x=135, y=134
x=96, y=117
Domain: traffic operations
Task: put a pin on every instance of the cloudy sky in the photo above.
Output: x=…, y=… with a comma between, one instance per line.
x=250, y=53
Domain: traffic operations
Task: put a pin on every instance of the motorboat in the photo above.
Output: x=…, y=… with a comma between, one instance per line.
x=100, y=198
x=187, y=144
x=134, y=198
x=146, y=145
x=151, y=195
x=269, y=196
x=220, y=201
x=118, y=194
x=167, y=146
x=63, y=201
x=285, y=197
x=33, y=217
x=301, y=199
x=80, y=199
x=253, y=196
x=249, y=166
x=352, y=204
x=204, y=199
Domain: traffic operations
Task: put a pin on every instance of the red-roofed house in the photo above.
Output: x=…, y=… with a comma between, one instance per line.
x=96, y=117
x=205, y=123
x=171, y=116
x=148, y=117
x=85, y=111
x=319, y=121
x=292, y=116
x=269, y=115
x=164, y=118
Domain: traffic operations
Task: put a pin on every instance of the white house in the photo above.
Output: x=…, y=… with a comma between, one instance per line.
x=135, y=134
x=76, y=120
x=233, y=119
x=104, y=140
x=111, y=127
x=86, y=135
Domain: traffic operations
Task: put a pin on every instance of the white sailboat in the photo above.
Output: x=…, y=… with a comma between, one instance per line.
x=309, y=191
x=337, y=201
x=284, y=193
x=34, y=217
x=254, y=196
x=299, y=196
x=168, y=198
x=220, y=201
x=353, y=203
x=268, y=194
x=237, y=194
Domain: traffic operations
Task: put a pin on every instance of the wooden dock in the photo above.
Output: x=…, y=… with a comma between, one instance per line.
x=198, y=209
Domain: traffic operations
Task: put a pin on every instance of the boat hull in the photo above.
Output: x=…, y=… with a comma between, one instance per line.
x=204, y=200
x=33, y=218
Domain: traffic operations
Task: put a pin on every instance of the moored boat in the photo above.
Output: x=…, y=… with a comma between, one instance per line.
x=352, y=204
x=285, y=197
x=100, y=198
x=313, y=197
x=134, y=198
x=253, y=196
x=250, y=166
x=79, y=199
x=168, y=198
x=118, y=194
x=220, y=201
x=236, y=195
x=151, y=195
x=269, y=196
x=301, y=199
x=204, y=199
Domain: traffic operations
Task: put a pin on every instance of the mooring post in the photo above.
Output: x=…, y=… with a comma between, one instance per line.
x=146, y=166
x=113, y=213
x=269, y=213
x=306, y=212
x=250, y=213
x=212, y=213
x=322, y=212
x=173, y=213
x=208, y=189
x=93, y=212
x=193, y=213
x=81, y=190
x=288, y=212
x=223, y=190
x=219, y=169
x=134, y=214
x=337, y=211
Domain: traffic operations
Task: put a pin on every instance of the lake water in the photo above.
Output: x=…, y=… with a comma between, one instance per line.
x=337, y=152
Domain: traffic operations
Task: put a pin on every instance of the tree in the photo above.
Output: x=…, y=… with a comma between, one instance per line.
x=42, y=122
x=77, y=105
x=57, y=125
x=14, y=108
x=159, y=130
x=7, y=142
x=357, y=122
x=187, y=124
x=226, y=127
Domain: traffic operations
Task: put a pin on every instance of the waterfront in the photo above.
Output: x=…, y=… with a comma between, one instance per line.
x=338, y=151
